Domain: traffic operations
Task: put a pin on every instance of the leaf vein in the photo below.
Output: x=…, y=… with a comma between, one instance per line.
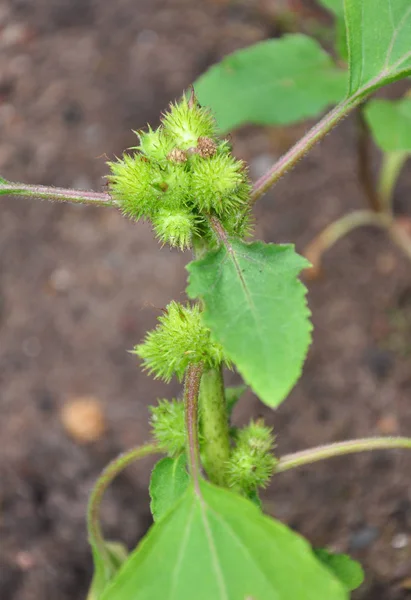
x=180, y=555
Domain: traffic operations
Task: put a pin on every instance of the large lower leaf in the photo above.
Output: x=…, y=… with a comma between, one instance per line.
x=169, y=481
x=390, y=123
x=216, y=545
x=273, y=82
x=255, y=307
x=379, y=42
x=347, y=570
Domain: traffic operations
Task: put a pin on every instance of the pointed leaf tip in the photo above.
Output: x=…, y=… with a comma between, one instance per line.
x=256, y=309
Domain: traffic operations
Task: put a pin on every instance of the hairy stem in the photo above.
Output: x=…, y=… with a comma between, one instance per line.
x=218, y=229
x=110, y=472
x=340, y=228
x=56, y=194
x=365, y=174
x=191, y=392
x=392, y=164
x=306, y=457
x=290, y=158
x=214, y=426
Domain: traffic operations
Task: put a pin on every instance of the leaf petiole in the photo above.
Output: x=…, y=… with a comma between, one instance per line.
x=392, y=163
x=107, y=476
x=306, y=457
x=191, y=393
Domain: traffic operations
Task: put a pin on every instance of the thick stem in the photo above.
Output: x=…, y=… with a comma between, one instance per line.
x=301, y=148
x=110, y=472
x=191, y=392
x=340, y=228
x=56, y=194
x=214, y=426
x=365, y=174
x=392, y=164
x=306, y=457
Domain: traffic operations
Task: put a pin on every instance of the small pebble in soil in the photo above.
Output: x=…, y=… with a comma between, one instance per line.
x=379, y=361
x=260, y=164
x=25, y=560
x=388, y=424
x=386, y=263
x=83, y=419
x=147, y=37
x=61, y=279
x=400, y=541
x=13, y=35
x=72, y=113
x=363, y=537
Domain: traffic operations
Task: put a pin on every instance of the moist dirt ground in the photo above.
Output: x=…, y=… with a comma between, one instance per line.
x=80, y=286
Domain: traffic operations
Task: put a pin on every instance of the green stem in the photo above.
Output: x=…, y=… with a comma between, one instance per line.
x=56, y=194
x=365, y=174
x=191, y=392
x=392, y=164
x=214, y=426
x=110, y=472
x=306, y=457
x=290, y=158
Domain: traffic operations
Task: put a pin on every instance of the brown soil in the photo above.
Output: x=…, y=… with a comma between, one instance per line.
x=80, y=286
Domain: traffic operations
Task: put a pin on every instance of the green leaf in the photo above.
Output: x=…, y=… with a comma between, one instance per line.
x=105, y=567
x=169, y=481
x=334, y=6
x=390, y=124
x=254, y=497
x=379, y=43
x=255, y=307
x=337, y=8
x=233, y=395
x=347, y=570
x=216, y=545
x=275, y=82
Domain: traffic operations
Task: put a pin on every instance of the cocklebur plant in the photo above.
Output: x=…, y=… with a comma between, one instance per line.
x=301, y=79
x=246, y=310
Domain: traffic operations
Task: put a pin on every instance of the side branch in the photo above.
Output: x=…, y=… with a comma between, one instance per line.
x=306, y=457
x=56, y=194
